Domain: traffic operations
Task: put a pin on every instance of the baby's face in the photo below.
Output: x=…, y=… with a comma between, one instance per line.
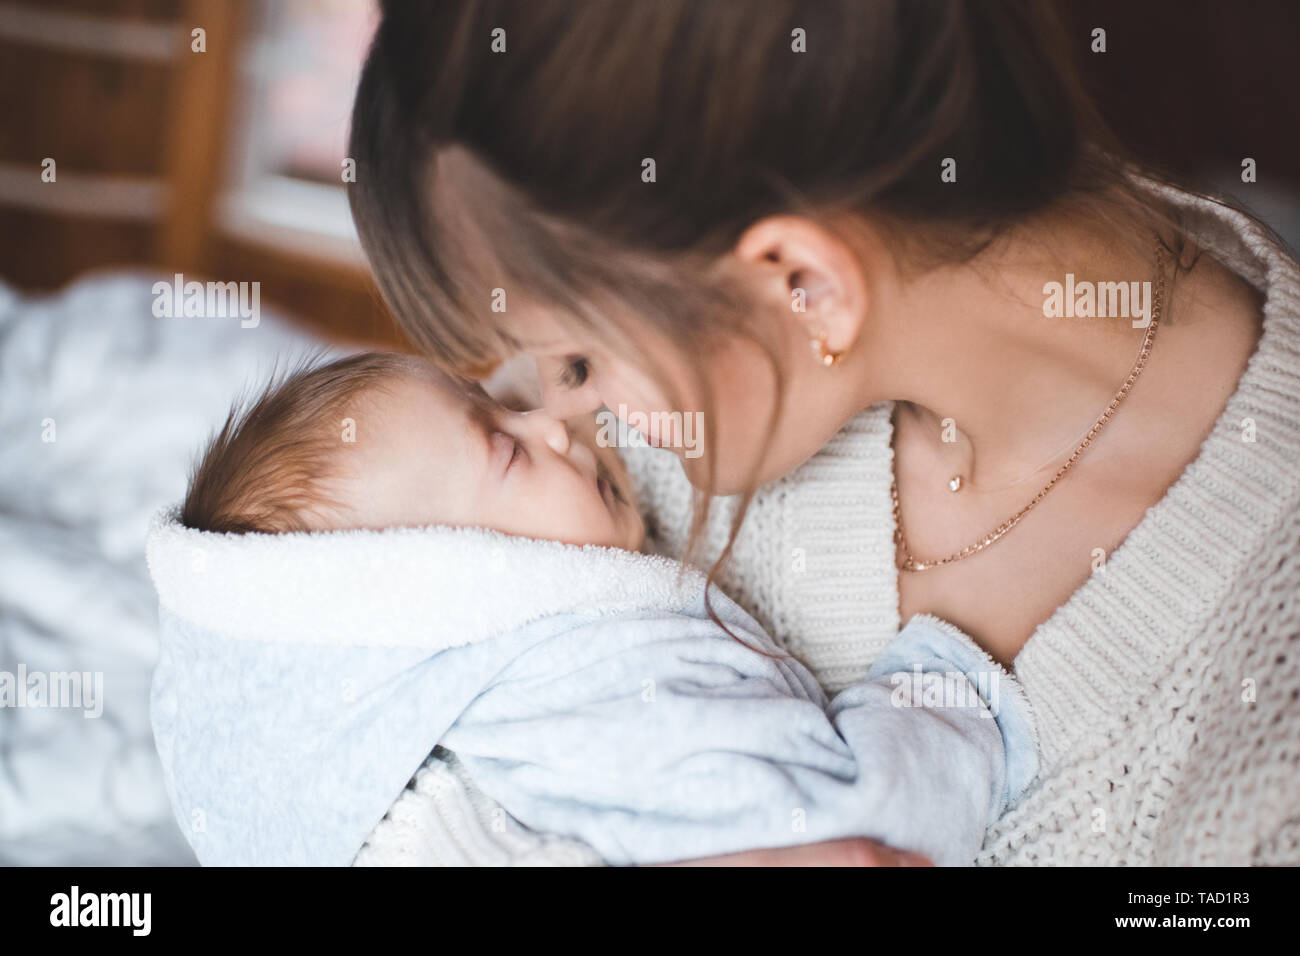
x=426, y=455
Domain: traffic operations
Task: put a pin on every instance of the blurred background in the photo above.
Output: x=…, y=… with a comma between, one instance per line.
x=227, y=163
x=221, y=163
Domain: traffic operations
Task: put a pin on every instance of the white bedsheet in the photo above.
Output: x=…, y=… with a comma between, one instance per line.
x=131, y=398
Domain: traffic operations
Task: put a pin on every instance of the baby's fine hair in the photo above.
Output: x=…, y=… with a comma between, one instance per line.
x=268, y=468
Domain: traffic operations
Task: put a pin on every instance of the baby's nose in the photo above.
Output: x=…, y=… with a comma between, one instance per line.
x=548, y=429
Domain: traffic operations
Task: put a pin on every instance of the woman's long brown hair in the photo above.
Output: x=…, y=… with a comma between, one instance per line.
x=500, y=146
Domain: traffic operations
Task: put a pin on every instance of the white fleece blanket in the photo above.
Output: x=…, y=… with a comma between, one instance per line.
x=102, y=406
x=304, y=678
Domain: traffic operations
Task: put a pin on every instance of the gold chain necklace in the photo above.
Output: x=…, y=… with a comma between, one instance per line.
x=908, y=562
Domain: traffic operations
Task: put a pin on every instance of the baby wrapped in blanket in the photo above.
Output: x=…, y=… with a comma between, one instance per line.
x=372, y=561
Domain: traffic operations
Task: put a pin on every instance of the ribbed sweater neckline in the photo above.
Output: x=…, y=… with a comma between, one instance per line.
x=1100, y=650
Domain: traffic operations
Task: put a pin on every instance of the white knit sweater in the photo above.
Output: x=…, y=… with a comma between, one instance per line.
x=1167, y=688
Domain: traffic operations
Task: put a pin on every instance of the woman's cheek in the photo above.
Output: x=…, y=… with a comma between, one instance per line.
x=639, y=413
x=650, y=406
x=742, y=434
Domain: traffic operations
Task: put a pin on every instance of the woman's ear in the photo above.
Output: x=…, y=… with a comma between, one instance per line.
x=810, y=272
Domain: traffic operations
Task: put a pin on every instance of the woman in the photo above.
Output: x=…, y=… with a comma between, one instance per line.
x=950, y=352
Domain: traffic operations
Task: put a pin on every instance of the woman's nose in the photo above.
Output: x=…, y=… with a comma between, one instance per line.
x=552, y=431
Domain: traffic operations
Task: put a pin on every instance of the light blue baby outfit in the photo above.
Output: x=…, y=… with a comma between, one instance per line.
x=303, y=679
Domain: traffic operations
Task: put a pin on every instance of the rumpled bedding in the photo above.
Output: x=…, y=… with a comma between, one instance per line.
x=127, y=399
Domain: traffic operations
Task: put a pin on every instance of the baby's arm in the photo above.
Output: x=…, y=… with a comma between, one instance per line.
x=937, y=718
x=663, y=739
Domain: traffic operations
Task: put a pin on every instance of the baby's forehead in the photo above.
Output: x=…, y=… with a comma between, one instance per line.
x=454, y=389
x=435, y=396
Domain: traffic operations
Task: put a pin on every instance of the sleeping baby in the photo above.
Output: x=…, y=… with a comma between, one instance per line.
x=372, y=561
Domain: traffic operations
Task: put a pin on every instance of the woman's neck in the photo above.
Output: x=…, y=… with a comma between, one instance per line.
x=1020, y=387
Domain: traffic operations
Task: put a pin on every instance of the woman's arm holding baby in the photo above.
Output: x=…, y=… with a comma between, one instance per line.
x=853, y=851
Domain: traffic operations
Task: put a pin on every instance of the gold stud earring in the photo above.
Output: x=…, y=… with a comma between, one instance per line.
x=824, y=355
